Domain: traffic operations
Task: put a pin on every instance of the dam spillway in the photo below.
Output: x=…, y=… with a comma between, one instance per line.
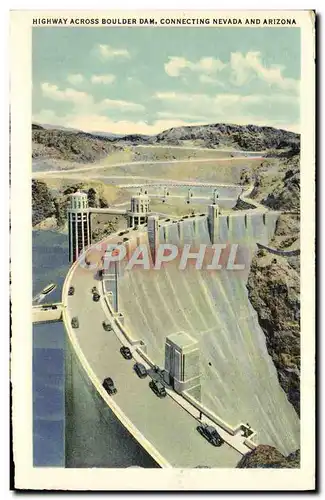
x=238, y=379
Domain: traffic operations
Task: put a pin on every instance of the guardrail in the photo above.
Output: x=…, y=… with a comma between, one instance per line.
x=221, y=423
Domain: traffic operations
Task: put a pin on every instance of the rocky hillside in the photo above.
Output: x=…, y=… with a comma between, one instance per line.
x=72, y=146
x=267, y=457
x=277, y=183
x=83, y=147
x=246, y=137
x=42, y=202
x=49, y=204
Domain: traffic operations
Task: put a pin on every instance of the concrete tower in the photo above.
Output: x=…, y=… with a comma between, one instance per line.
x=138, y=214
x=78, y=225
x=213, y=222
x=153, y=235
x=182, y=364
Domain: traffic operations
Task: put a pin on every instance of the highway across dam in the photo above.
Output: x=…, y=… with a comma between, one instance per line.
x=164, y=423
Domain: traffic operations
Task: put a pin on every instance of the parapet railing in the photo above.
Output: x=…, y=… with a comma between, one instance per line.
x=251, y=434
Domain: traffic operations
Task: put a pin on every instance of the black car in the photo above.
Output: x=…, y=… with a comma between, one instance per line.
x=210, y=434
x=75, y=322
x=140, y=370
x=109, y=386
x=94, y=289
x=96, y=297
x=71, y=290
x=158, y=389
x=126, y=352
x=107, y=326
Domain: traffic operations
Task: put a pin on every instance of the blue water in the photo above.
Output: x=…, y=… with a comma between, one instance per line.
x=50, y=265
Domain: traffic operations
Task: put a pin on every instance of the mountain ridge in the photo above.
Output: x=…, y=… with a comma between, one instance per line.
x=89, y=147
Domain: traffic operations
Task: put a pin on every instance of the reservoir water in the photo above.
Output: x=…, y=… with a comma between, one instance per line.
x=81, y=432
x=50, y=264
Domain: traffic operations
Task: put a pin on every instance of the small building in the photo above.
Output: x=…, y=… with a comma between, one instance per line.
x=182, y=364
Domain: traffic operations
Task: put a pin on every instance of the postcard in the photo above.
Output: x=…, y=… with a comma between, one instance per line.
x=162, y=250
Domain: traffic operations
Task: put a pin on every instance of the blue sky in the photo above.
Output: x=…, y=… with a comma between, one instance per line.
x=145, y=80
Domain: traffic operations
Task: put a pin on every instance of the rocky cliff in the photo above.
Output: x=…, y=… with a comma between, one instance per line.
x=267, y=457
x=274, y=281
x=277, y=183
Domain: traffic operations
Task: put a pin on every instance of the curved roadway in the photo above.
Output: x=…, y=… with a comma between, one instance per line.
x=170, y=430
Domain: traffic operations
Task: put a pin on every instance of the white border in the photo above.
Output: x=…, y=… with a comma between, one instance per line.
x=29, y=477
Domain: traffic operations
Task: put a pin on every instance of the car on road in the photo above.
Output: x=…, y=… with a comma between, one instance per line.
x=140, y=370
x=71, y=290
x=96, y=297
x=210, y=434
x=75, y=322
x=126, y=352
x=107, y=326
x=94, y=289
x=158, y=388
x=109, y=386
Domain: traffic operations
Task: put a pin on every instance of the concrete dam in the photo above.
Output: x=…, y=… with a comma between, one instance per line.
x=238, y=379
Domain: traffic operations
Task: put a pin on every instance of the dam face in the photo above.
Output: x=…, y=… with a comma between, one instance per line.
x=238, y=379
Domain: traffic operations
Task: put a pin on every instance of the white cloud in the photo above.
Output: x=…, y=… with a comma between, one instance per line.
x=75, y=79
x=121, y=105
x=206, y=102
x=260, y=109
x=175, y=66
x=241, y=69
x=69, y=95
x=95, y=122
x=84, y=103
x=103, y=79
x=181, y=116
x=210, y=79
x=245, y=67
x=108, y=52
x=174, y=109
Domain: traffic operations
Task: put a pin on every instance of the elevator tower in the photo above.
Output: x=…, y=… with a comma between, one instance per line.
x=78, y=225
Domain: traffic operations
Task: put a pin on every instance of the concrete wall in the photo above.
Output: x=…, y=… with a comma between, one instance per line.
x=42, y=315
